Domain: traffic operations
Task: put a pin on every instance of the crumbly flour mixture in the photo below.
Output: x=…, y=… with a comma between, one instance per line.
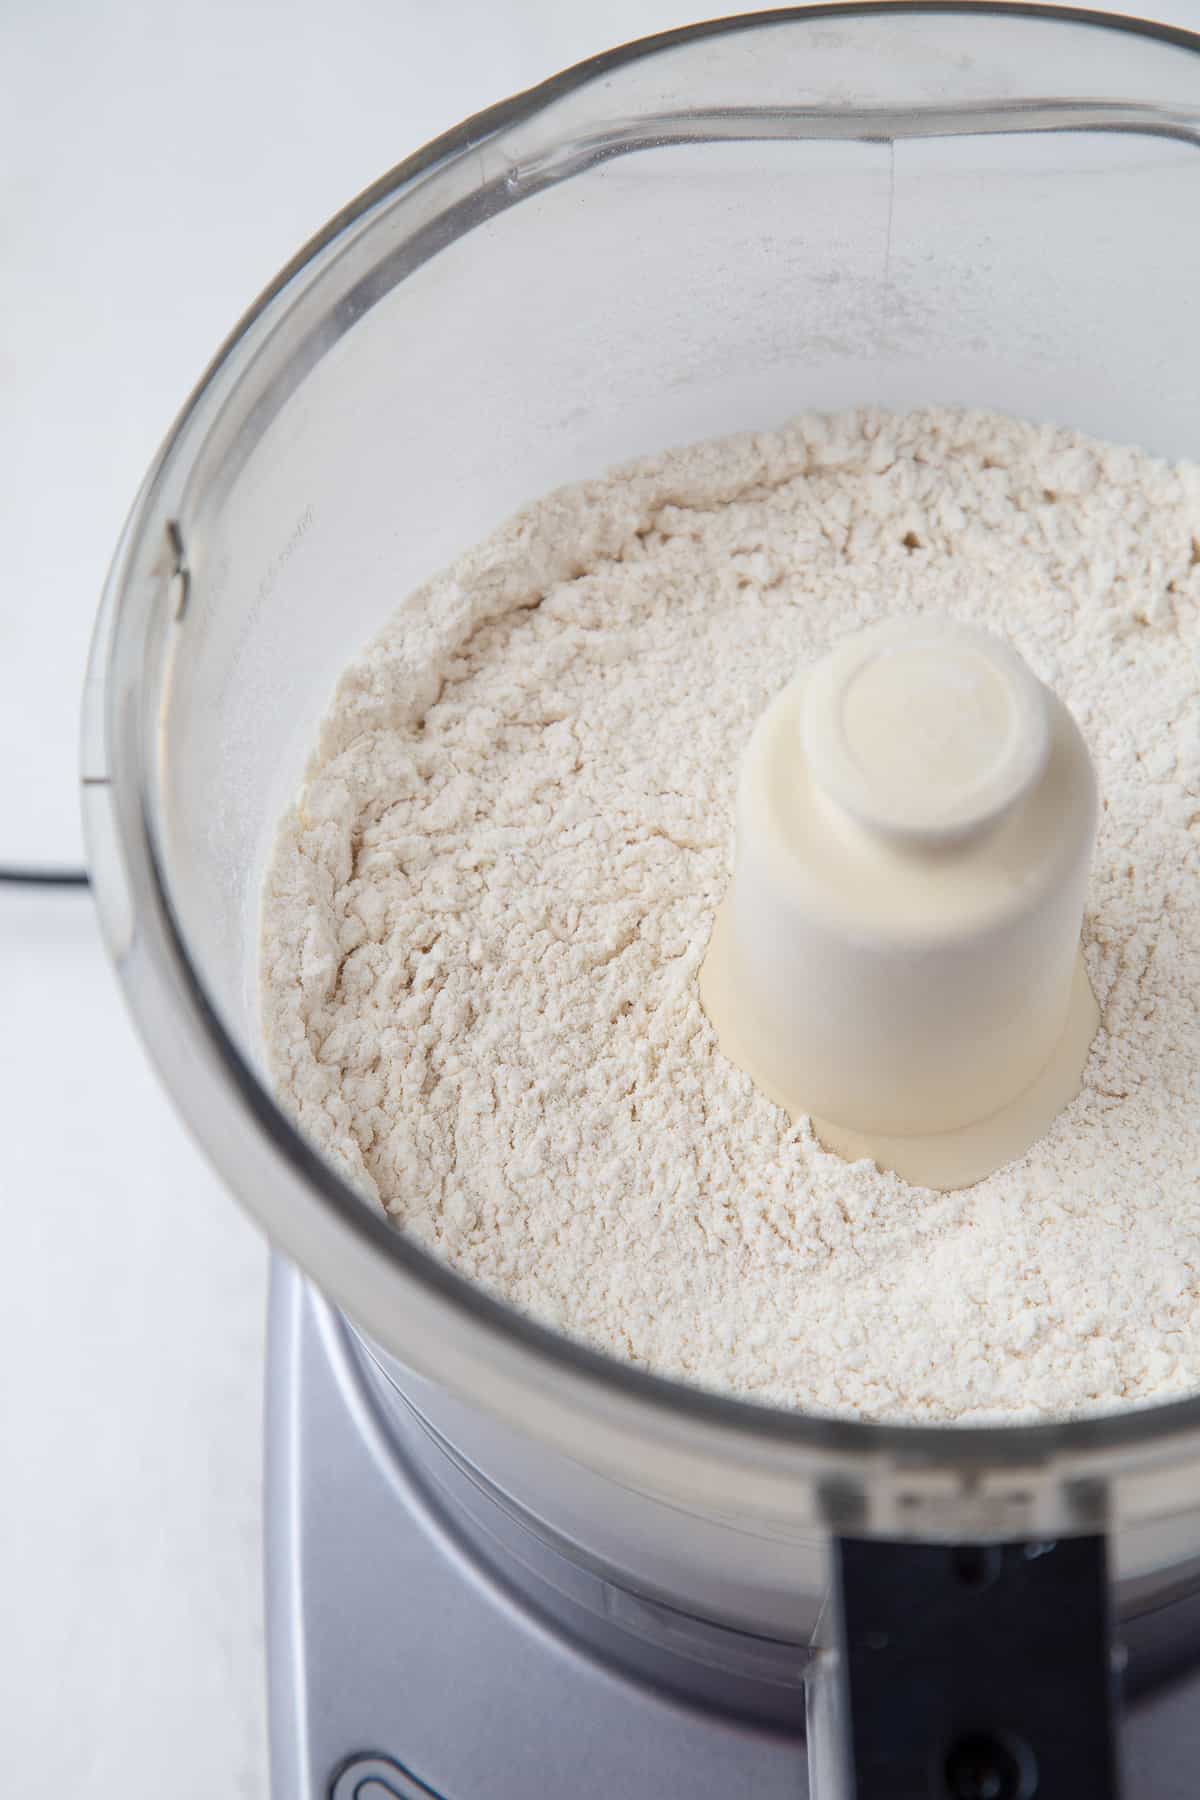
x=487, y=910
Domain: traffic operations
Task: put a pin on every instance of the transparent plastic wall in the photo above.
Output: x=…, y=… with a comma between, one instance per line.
x=891, y=207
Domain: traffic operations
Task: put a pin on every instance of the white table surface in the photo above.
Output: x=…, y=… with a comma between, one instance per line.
x=157, y=164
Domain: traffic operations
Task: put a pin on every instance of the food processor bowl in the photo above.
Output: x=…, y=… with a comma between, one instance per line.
x=707, y=231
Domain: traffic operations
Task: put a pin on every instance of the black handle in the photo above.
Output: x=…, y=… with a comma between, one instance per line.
x=976, y=1672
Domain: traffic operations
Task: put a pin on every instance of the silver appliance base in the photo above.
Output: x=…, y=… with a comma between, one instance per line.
x=402, y=1665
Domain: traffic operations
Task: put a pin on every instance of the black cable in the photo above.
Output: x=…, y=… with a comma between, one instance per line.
x=44, y=877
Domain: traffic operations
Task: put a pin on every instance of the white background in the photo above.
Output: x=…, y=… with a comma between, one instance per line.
x=157, y=165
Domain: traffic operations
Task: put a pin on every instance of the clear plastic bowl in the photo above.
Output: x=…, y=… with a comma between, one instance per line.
x=707, y=231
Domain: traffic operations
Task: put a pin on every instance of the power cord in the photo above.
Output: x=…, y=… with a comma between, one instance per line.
x=31, y=877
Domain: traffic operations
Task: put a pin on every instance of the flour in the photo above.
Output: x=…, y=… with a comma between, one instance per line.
x=486, y=914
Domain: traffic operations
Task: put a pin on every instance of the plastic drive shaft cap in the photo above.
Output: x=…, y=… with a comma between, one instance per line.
x=926, y=732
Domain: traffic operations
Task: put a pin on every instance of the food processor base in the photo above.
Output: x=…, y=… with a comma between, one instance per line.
x=404, y=1665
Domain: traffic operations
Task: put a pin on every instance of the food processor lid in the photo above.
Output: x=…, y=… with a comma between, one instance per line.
x=848, y=1475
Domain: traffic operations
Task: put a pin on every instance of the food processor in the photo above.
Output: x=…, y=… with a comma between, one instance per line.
x=500, y=1564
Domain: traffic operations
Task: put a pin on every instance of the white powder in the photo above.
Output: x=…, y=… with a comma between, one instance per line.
x=486, y=915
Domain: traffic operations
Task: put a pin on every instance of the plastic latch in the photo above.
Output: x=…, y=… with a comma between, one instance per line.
x=976, y=1670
